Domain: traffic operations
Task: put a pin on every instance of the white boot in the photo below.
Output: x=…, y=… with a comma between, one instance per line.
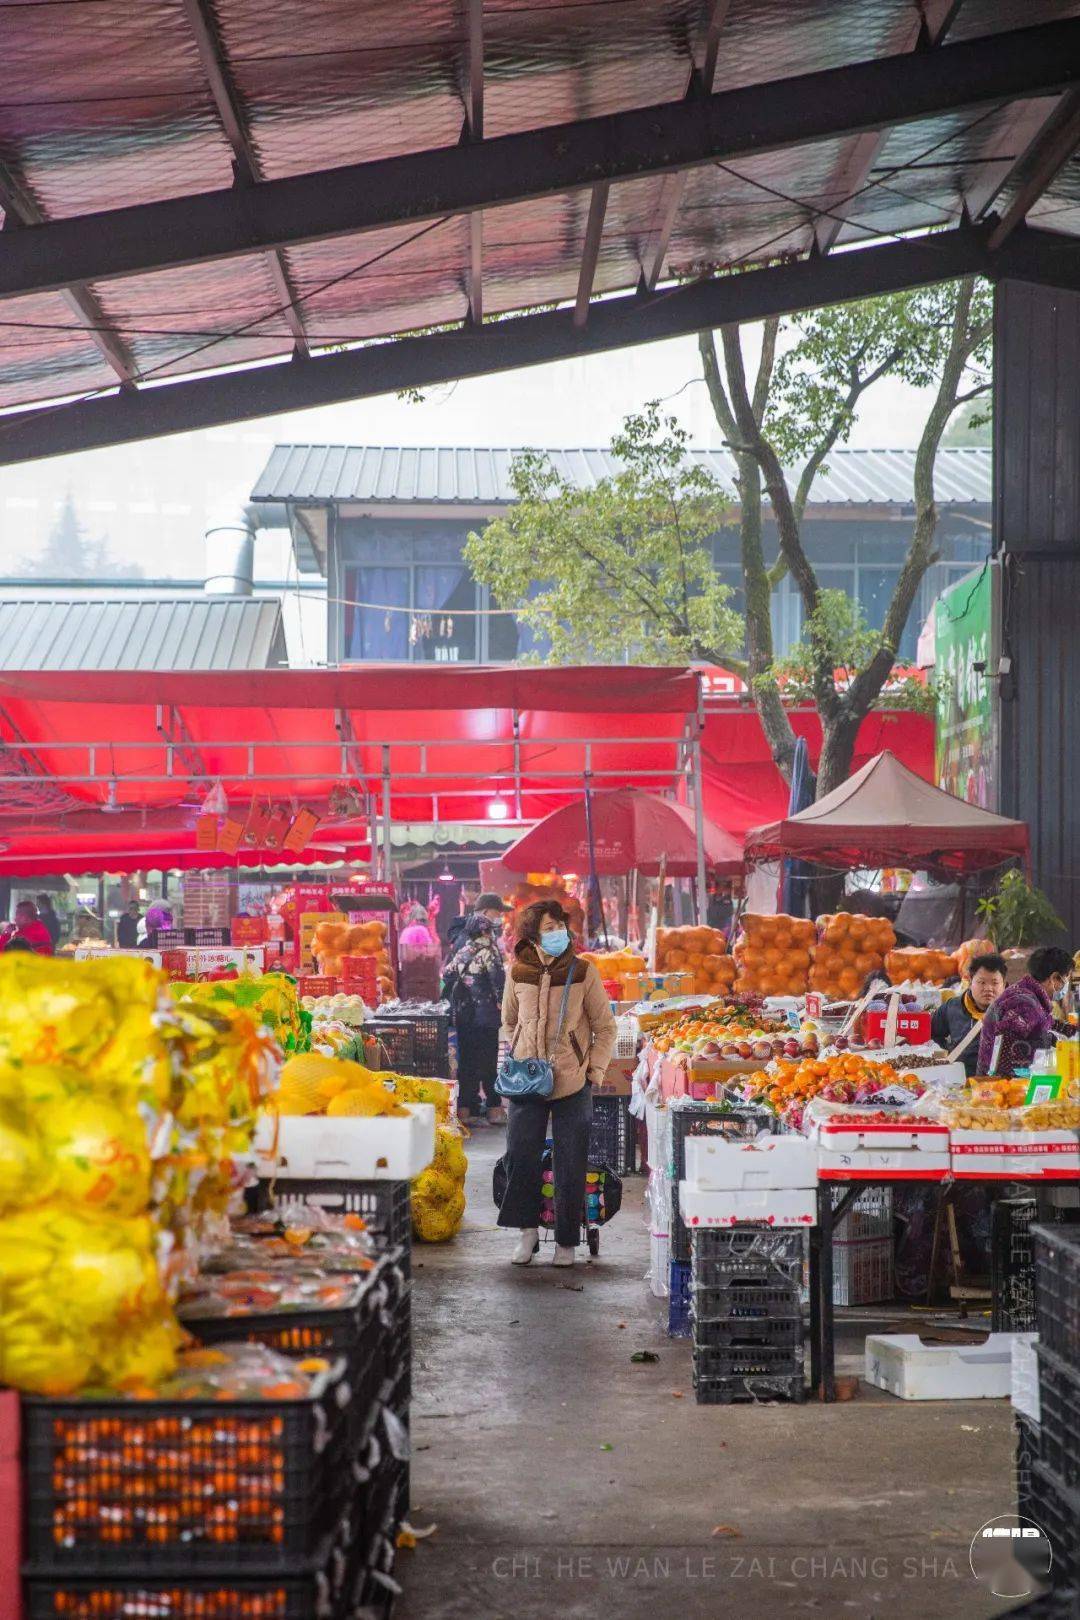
x=563, y=1256
x=527, y=1245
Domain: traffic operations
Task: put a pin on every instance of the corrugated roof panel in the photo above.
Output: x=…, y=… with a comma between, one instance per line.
x=111, y=105
x=161, y=633
x=481, y=476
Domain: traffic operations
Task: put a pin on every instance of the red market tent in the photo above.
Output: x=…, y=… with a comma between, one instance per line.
x=107, y=770
x=104, y=771
x=885, y=815
x=631, y=831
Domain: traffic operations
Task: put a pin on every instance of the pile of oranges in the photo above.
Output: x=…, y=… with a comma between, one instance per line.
x=168, y=1481
x=848, y=948
x=913, y=962
x=699, y=951
x=773, y=955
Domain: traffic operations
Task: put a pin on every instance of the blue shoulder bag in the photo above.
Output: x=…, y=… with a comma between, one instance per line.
x=533, y=1077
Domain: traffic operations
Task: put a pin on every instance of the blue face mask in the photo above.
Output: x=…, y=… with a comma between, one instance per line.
x=555, y=942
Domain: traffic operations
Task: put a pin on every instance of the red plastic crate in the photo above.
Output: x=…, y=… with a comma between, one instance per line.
x=11, y=1507
x=312, y=984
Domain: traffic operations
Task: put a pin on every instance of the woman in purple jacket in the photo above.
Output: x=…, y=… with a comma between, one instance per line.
x=1023, y=1015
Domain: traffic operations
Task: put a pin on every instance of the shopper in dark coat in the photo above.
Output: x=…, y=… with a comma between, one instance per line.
x=50, y=918
x=1023, y=1015
x=473, y=984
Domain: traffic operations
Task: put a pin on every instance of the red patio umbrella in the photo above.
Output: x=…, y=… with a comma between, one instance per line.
x=631, y=831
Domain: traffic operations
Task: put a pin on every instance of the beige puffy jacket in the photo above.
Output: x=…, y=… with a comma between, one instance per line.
x=530, y=1017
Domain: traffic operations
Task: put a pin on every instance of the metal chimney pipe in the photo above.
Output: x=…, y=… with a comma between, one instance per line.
x=230, y=555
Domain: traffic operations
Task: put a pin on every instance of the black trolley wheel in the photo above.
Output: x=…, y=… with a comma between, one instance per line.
x=592, y=1237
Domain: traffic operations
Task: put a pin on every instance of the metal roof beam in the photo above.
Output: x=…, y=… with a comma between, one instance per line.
x=473, y=96
x=853, y=173
x=21, y=211
x=246, y=164
x=543, y=162
x=590, y=253
x=614, y=323
x=1050, y=151
x=701, y=83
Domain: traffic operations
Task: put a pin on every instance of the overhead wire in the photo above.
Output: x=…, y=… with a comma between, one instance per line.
x=809, y=214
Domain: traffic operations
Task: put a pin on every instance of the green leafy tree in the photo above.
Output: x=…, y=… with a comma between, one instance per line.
x=626, y=569
x=801, y=403
x=623, y=569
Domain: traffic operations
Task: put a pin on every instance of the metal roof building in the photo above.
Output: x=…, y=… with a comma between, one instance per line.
x=162, y=633
x=377, y=475
x=208, y=184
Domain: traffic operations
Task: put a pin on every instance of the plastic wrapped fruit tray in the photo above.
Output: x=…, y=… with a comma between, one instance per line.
x=114, y=1484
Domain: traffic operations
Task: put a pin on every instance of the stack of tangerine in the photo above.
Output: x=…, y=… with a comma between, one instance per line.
x=913, y=962
x=700, y=951
x=773, y=955
x=848, y=948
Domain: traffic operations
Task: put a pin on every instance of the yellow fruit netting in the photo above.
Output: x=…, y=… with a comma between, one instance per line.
x=438, y=1193
x=119, y=1111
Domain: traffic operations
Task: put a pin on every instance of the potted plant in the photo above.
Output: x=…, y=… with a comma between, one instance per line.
x=1018, y=918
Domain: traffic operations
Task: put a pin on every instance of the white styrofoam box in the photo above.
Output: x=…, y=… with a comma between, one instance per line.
x=774, y=1206
x=902, y=1364
x=771, y=1161
x=346, y=1148
x=1025, y=1376
x=874, y=1152
x=1016, y=1155
x=659, y=1258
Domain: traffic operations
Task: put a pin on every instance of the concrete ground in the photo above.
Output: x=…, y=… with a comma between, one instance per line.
x=564, y=1479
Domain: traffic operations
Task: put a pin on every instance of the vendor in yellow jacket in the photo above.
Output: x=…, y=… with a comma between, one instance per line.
x=544, y=961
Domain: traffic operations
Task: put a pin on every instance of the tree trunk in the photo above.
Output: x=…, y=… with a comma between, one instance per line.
x=838, y=740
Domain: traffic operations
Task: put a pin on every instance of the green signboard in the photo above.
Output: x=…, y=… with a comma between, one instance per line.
x=964, y=660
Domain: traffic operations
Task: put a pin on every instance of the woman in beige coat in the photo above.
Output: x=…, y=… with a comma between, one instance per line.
x=544, y=962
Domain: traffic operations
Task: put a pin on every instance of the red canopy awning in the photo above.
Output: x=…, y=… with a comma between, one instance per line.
x=631, y=830
x=81, y=745
x=885, y=815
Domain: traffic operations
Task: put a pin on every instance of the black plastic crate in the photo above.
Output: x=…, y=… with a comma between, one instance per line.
x=1059, y=1416
x=431, y=1045
x=396, y=1047
x=111, y=1484
x=1056, y=1510
x=166, y=939
x=747, y=1361
x=119, y=1597
x=1012, y=1266
x=740, y=1256
x=1057, y=1288
x=771, y=1387
x=612, y=1138
x=386, y=1206
x=732, y=1124
x=739, y=1333
x=1028, y=1452
x=753, y=1303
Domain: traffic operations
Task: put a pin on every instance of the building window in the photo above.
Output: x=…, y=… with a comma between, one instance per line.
x=376, y=628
